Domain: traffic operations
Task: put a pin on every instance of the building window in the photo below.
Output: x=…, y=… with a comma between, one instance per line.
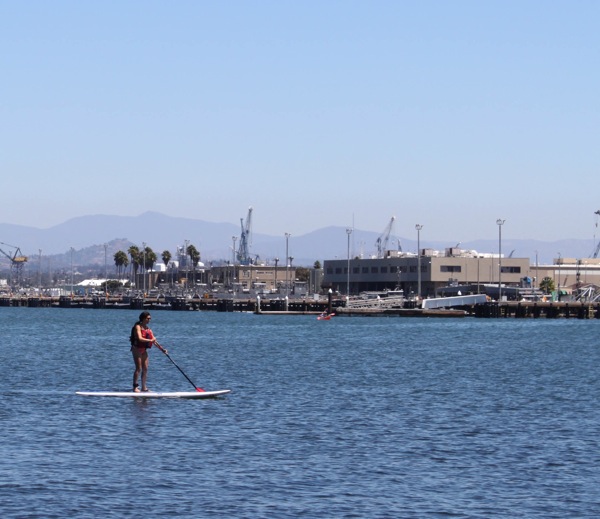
x=374, y=270
x=365, y=270
x=384, y=270
x=511, y=270
x=355, y=270
x=451, y=268
x=338, y=270
x=329, y=270
x=393, y=269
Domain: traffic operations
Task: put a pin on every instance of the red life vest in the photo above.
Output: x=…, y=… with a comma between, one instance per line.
x=146, y=334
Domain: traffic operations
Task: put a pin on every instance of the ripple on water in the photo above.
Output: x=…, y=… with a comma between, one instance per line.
x=349, y=418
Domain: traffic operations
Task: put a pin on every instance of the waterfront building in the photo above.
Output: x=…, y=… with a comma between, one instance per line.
x=572, y=275
x=398, y=270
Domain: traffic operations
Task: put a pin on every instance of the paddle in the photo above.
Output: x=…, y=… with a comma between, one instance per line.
x=199, y=389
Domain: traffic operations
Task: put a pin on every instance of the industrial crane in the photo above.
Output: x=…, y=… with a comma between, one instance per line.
x=243, y=253
x=17, y=260
x=382, y=242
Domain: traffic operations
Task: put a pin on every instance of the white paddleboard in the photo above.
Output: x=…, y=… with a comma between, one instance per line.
x=154, y=394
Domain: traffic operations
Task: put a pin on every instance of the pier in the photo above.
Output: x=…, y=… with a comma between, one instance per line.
x=489, y=310
x=297, y=306
x=539, y=310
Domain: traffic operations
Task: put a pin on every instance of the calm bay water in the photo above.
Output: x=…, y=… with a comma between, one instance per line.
x=355, y=417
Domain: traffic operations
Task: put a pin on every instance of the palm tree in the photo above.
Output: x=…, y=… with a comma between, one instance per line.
x=134, y=253
x=547, y=285
x=121, y=262
x=166, y=257
x=194, y=255
x=148, y=258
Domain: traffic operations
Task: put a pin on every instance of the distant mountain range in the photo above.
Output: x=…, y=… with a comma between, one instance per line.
x=87, y=235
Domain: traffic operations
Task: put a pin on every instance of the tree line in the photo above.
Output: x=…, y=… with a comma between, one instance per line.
x=146, y=258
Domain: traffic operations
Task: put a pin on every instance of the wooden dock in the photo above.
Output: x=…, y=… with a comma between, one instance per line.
x=538, y=310
x=399, y=312
x=298, y=306
x=493, y=310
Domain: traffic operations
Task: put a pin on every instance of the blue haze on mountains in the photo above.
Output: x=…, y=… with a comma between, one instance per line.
x=214, y=240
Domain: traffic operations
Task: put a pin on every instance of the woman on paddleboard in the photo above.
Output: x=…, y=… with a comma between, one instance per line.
x=142, y=340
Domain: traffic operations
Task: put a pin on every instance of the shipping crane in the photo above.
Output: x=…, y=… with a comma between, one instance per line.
x=382, y=242
x=243, y=253
x=17, y=261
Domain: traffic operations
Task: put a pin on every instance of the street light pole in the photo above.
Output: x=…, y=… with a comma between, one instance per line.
x=558, y=285
x=418, y=227
x=105, y=273
x=349, y=232
x=40, y=273
x=287, y=263
x=144, y=267
x=478, y=256
x=72, y=250
x=535, y=279
x=500, y=223
x=234, y=238
x=187, y=268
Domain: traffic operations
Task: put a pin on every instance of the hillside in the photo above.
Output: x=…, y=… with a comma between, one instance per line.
x=87, y=235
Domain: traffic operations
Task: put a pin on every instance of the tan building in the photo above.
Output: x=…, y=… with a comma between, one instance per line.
x=401, y=270
x=571, y=275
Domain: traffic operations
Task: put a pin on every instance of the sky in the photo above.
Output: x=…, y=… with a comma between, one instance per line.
x=315, y=113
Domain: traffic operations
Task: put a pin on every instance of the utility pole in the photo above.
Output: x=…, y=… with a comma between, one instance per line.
x=418, y=227
x=349, y=232
x=500, y=223
x=287, y=264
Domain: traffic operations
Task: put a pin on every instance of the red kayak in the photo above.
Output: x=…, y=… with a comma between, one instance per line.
x=325, y=317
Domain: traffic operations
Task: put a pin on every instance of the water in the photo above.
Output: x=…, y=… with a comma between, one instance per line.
x=351, y=418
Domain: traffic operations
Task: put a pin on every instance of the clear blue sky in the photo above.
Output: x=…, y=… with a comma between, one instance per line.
x=446, y=113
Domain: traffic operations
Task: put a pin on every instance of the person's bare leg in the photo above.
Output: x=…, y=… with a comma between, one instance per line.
x=144, y=371
x=137, y=359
